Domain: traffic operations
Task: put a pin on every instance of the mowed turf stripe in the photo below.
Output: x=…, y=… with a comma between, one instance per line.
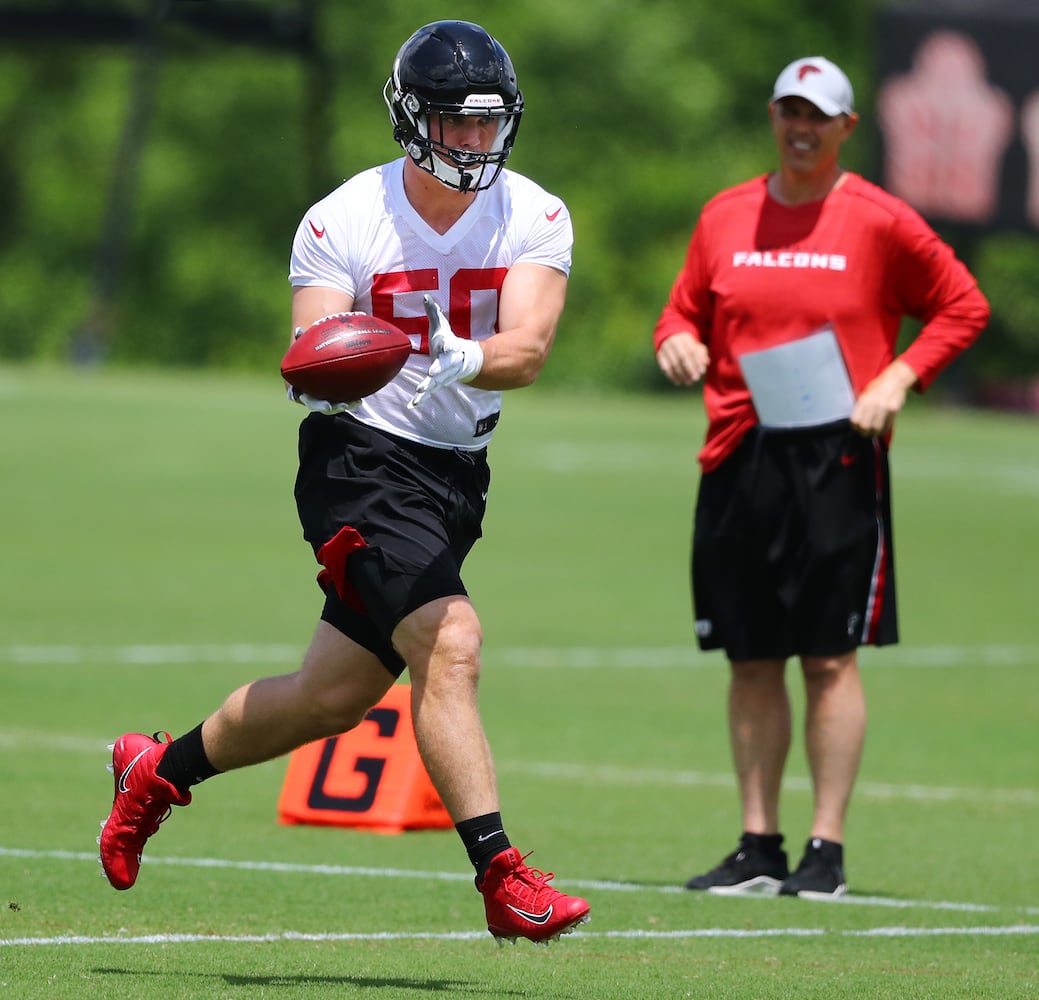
x=616, y=775
x=585, y=885
x=554, y=657
x=607, y=774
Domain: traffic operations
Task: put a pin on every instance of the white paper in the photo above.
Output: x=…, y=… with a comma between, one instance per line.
x=802, y=383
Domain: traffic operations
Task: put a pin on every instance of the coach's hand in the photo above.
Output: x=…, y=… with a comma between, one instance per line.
x=683, y=358
x=882, y=399
x=454, y=359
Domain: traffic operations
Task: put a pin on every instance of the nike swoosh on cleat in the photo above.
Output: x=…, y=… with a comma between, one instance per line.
x=129, y=768
x=534, y=918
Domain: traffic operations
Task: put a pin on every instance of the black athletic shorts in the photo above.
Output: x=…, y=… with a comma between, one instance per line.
x=792, y=548
x=390, y=522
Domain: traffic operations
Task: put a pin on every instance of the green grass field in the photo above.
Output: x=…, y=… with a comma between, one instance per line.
x=152, y=561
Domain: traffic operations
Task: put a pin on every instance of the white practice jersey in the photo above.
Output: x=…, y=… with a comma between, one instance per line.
x=366, y=240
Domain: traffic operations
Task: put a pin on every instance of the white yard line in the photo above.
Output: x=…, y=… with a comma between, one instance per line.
x=1016, y=930
x=585, y=885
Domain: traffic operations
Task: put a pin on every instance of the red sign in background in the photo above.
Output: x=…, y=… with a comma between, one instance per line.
x=957, y=111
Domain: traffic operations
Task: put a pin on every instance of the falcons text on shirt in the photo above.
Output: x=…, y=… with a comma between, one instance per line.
x=800, y=259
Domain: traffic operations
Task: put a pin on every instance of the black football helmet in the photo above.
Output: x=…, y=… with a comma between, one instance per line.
x=453, y=68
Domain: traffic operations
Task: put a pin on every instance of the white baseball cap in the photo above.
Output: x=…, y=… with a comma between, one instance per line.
x=818, y=80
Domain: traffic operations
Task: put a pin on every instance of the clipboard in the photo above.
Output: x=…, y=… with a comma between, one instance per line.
x=803, y=383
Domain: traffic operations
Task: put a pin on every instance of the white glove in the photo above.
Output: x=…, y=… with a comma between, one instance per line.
x=316, y=405
x=454, y=358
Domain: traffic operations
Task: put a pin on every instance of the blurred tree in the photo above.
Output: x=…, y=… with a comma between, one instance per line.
x=636, y=114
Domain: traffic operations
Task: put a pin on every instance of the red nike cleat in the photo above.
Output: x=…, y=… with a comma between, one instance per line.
x=521, y=903
x=142, y=801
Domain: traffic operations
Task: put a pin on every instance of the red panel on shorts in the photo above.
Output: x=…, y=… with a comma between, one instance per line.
x=332, y=556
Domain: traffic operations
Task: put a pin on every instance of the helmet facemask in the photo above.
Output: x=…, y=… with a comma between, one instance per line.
x=465, y=170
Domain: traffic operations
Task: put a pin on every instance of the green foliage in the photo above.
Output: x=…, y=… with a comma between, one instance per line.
x=637, y=113
x=1006, y=270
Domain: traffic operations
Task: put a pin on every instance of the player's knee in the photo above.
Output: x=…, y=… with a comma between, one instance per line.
x=444, y=636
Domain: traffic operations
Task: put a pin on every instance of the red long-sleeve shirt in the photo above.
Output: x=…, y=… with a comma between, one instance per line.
x=759, y=273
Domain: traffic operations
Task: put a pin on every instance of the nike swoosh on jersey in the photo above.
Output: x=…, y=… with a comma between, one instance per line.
x=534, y=918
x=129, y=767
x=317, y=232
x=551, y=216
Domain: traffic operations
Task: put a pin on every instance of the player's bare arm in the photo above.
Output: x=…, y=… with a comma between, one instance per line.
x=683, y=358
x=532, y=299
x=312, y=302
x=882, y=399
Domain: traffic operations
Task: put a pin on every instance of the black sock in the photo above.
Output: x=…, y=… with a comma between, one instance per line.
x=828, y=849
x=484, y=837
x=766, y=843
x=185, y=762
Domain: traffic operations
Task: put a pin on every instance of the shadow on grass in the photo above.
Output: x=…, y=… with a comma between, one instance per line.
x=453, y=986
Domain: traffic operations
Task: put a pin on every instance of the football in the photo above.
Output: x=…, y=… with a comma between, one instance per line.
x=345, y=357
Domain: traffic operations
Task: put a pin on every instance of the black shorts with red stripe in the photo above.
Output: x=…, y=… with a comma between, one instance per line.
x=792, y=546
x=390, y=522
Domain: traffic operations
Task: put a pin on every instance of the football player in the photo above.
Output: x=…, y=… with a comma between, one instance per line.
x=472, y=261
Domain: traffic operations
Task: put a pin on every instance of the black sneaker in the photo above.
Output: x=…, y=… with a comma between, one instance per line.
x=755, y=867
x=820, y=875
